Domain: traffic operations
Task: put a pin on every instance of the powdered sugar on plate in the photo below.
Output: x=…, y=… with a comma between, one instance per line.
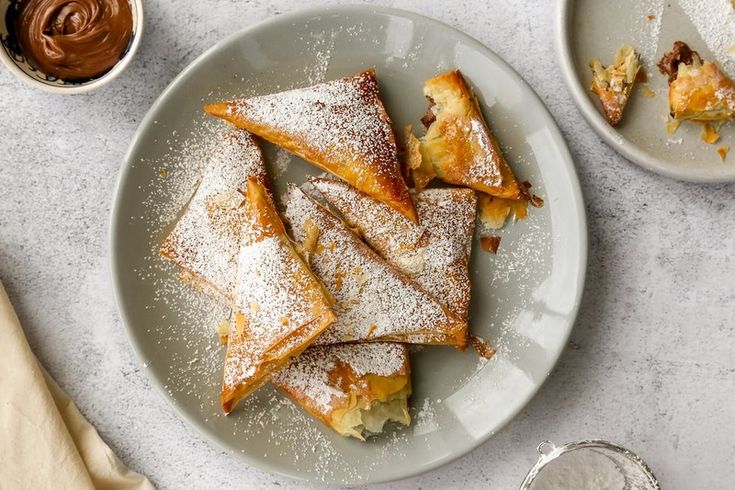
x=425, y=420
x=281, y=162
x=646, y=30
x=715, y=21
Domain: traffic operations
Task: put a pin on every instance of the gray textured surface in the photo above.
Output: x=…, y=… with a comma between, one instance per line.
x=650, y=361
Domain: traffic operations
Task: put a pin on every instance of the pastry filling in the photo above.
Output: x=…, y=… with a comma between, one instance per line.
x=364, y=417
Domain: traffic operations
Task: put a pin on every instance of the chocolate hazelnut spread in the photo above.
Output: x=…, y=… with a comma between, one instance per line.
x=74, y=39
x=681, y=53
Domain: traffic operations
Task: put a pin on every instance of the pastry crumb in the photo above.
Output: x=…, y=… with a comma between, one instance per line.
x=223, y=330
x=483, y=348
x=672, y=126
x=490, y=243
x=647, y=91
x=709, y=134
x=723, y=151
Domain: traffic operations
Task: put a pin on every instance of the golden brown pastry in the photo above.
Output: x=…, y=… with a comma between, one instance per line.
x=279, y=306
x=353, y=388
x=374, y=301
x=459, y=147
x=340, y=126
x=698, y=90
x=205, y=240
x=434, y=253
x=613, y=84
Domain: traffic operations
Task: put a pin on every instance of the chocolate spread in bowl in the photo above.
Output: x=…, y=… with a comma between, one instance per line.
x=74, y=40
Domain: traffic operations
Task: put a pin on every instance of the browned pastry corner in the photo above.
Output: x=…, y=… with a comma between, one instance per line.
x=458, y=146
x=279, y=306
x=698, y=89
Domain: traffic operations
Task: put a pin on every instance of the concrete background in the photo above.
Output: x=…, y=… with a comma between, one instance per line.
x=650, y=363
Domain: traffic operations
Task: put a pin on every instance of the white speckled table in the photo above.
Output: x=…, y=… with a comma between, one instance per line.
x=650, y=363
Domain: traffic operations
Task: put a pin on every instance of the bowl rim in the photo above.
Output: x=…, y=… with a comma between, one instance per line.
x=113, y=73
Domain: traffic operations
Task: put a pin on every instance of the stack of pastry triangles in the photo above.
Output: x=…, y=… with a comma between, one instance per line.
x=325, y=309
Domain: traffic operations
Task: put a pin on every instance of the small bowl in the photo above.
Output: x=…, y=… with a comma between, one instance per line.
x=21, y=68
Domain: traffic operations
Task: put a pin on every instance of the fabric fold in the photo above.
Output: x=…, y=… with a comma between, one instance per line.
x=43, y=436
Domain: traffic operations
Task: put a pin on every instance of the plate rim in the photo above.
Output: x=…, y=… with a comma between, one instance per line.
x=613, y=138
x=577, y=201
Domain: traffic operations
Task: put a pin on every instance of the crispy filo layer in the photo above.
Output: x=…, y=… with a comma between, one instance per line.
x=434, y=253
x=353, y=388
x=340, y=126
x=279, y=306
x=698, y=90
x=613, y=84
x=374, y=300
x=458, y=146
x=205, y=240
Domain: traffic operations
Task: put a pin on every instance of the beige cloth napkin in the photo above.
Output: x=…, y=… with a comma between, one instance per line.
x=45, y=442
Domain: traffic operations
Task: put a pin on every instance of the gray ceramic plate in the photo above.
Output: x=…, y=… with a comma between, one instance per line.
x=594, y=29
x=524, y=301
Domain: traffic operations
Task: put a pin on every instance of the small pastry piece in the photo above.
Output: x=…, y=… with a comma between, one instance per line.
x=205, y=240
x=722, y=151
x=279, y=306
x=374, y=301
x=490, y=243
x=698, y=90
x=458, y=146
x=353, y=388
x=435, y=253
x=613, y=84
x=340, y=126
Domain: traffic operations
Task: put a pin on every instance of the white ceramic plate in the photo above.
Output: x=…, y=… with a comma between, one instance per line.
x=594, y=29
x=524, y=299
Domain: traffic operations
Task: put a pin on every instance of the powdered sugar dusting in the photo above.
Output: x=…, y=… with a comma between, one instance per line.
x=277, y=302
x=425, y=419
x=281, y=162
x=715, y=21
x=205, y=239
x=390, y=233
x=646, y=29
x=310, y=375
x=373, y=301
x=342, y=121
x=434, y=253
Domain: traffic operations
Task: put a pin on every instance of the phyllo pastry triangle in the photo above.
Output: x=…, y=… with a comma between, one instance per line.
x=435, y=253
x=613, y=84
x=205, y=240
x=279, y=306
x=459, y=147
x=353, y=388
x=340, y=126
x=698, y=90
x=374, y=300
